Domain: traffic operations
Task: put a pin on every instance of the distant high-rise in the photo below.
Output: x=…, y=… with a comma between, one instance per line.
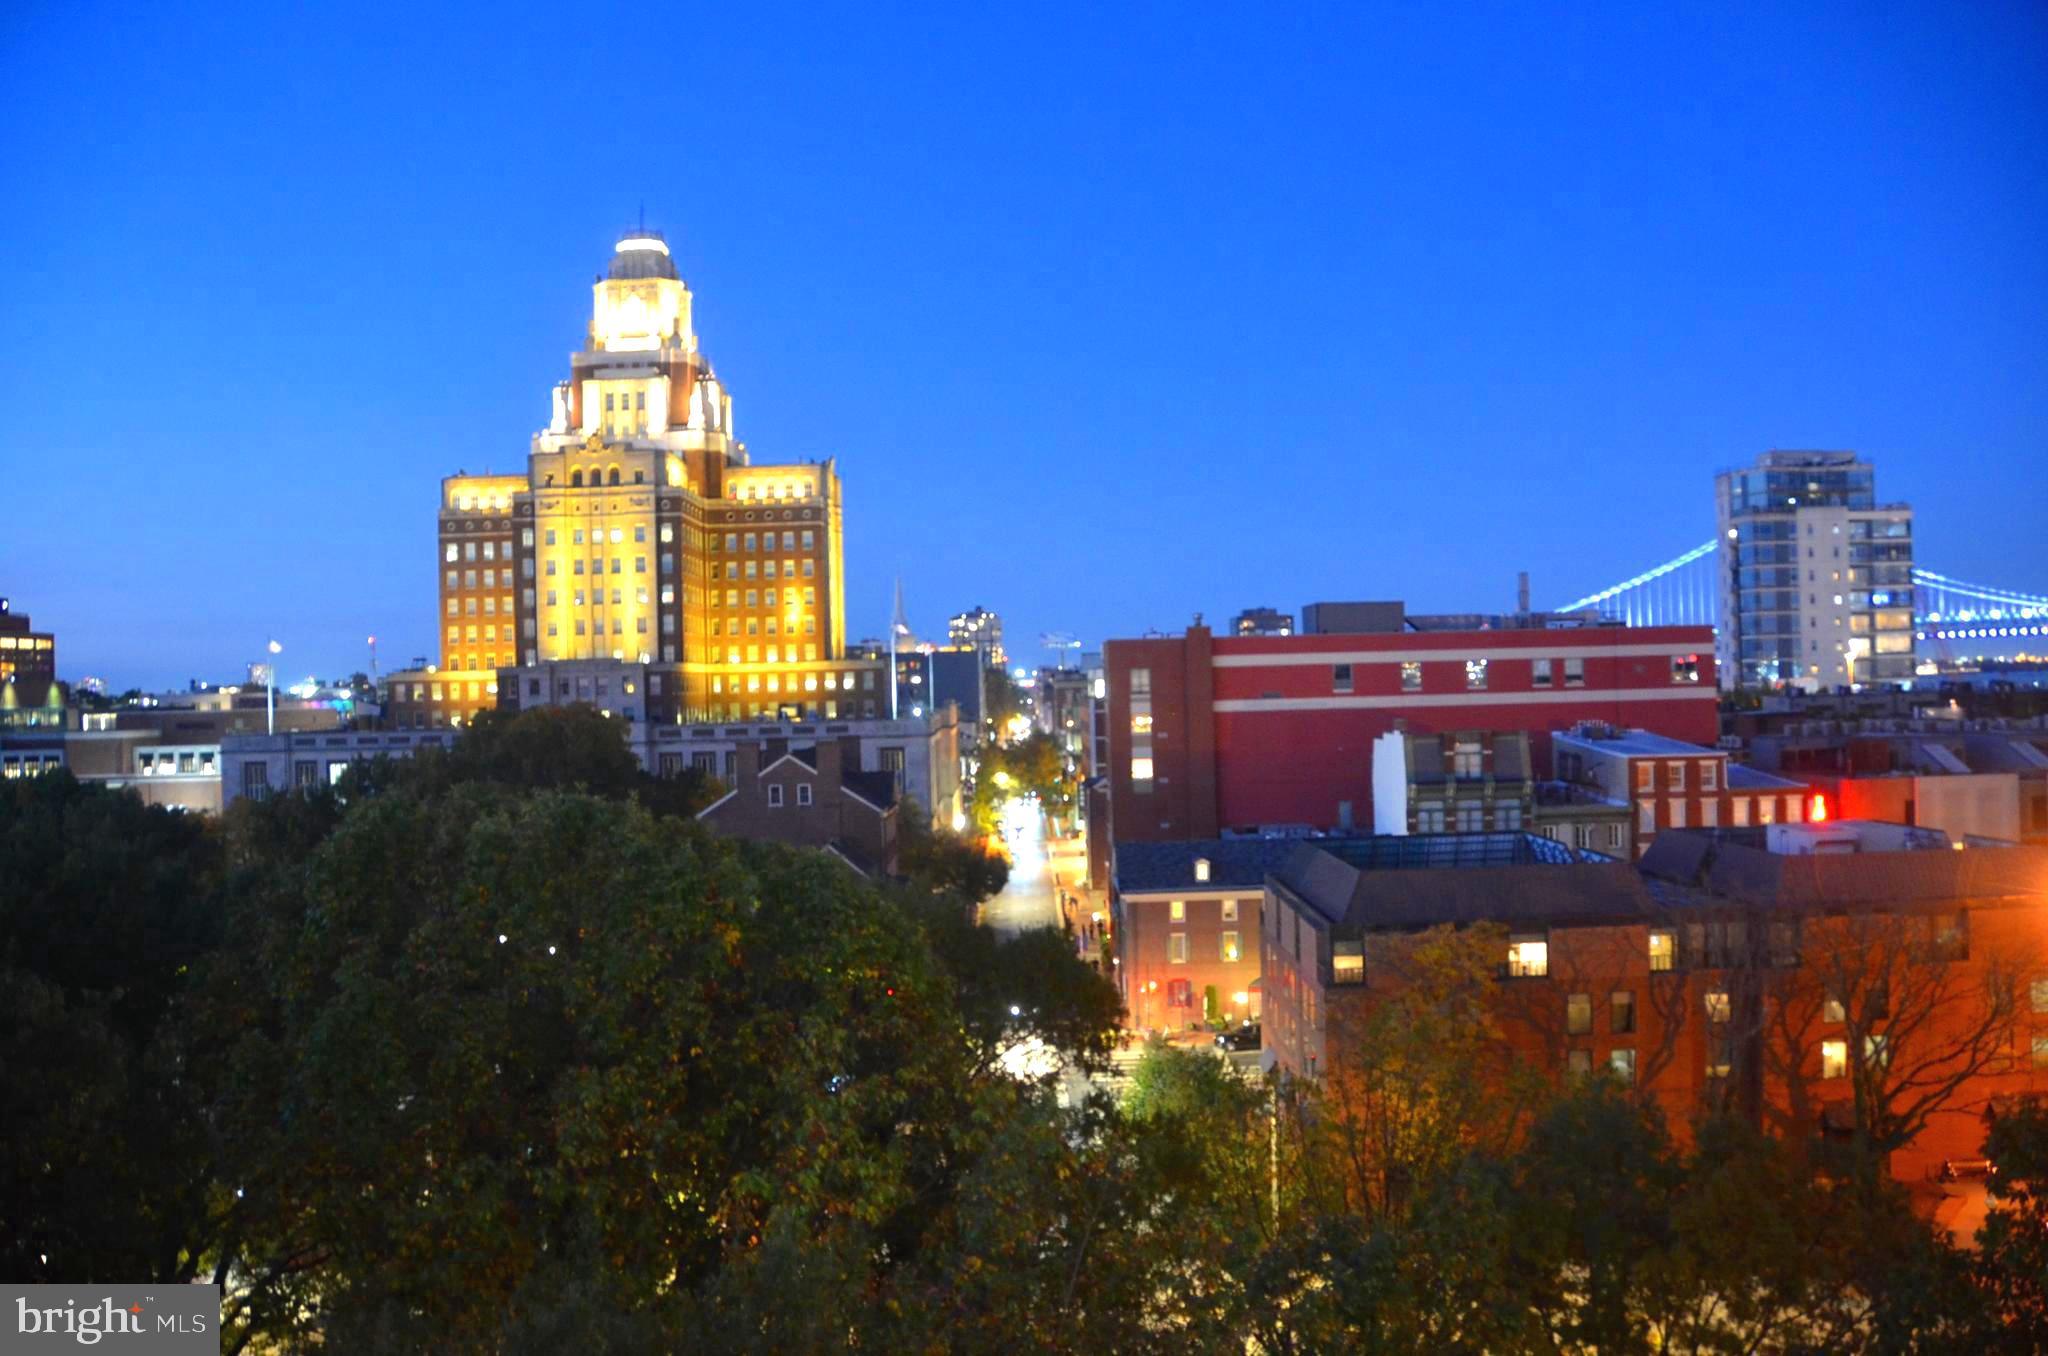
x=1817, y=576
x=29, y=691
x=1262, y=621
x=640, y=533
x=980, y=630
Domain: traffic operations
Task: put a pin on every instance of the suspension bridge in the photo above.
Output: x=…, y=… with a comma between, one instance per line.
x=1953, y=619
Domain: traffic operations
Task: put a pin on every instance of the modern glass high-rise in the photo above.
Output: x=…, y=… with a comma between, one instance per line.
x=1817, y=576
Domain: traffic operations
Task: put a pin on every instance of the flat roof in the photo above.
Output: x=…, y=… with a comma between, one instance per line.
x=1640, y=743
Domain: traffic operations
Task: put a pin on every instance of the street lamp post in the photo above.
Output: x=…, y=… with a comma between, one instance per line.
x=270, y=688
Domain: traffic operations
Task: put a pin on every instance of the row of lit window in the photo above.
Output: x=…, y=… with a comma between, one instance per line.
x=1227, y=948
x=490, y=634
x=458, y=607
x=755, y=626
x=668, y=623
x=1710, y=812
x=767, y=569
x=616, y=536
x=770, y=710
x=576, y=596
x=762, y=598
x=1685, y=668
x=27, y=643
x=618, y=565
x=780, y=490
x=1674, y=774
x=809, y=682
x=492, y=550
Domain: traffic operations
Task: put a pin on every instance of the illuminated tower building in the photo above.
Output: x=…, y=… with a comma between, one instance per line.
x=643, y=546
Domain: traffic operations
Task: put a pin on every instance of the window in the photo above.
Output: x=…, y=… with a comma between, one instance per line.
x=1677, y=813
x=1475, y=675
x=1877, y=1052
x=1622, y=1064
x=1685, y=668
x=1578, y=1014
x=1230, y=951
x=2041, y=1052
x=1710, y=813
x=1831, y=1009
x=1466, y=759
x=1340, y=678
x=1621, y=1012
x=1720, y=1056
x=1766, y=809
x=1201, y=868
x=1507, y=816
x=774, y=797
x=1718, y=1008
x=1347, y=962
x=1579, y=1063
x=2037, y=995
x=1177, y=948
x=1429, y=817
x=1141, y=772
x=1710, y=775
x=1529, y=954
x=1141, y=682
x=1738, y=810
x=1646, y=777
x=1646, y=816
x=1177, y=911
x=803, y=793
x=1674, y=776
x=1834, y=1059
x=1574, y=673
x=1411, y=675
x=1229, y=910
x=1663, y=949
x=1471, y=816
x=1141, y=722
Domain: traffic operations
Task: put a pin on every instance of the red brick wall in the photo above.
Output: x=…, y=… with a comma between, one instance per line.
x=1143, y=949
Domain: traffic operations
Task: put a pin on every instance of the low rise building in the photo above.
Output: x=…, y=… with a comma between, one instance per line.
x=1672, y=784
x=1186, y=922
x=1263, y=621
x=810, y=797
x=259, y=766
x=1459, y=781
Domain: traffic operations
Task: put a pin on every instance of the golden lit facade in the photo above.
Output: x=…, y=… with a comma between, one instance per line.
x=642, y=534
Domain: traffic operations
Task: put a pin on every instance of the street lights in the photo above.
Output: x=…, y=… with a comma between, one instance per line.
x=270, y=687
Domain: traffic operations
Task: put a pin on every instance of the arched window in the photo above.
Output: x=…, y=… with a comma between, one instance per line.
x=576, y=479
x=615, y=475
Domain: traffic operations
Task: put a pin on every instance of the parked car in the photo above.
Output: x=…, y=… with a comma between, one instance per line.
x=1245, y=1037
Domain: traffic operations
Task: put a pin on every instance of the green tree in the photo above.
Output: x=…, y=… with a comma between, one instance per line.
x=2012, y=1246
x=105, y=1168
x=941, y=860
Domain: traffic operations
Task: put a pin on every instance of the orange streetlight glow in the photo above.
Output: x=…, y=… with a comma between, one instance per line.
x=1817, y=810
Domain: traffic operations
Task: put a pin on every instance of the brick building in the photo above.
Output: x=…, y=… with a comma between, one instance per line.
x=1772, y=972
x=1670, y=784
x=1185, y=917
x=811, y=797
x=1224, y=734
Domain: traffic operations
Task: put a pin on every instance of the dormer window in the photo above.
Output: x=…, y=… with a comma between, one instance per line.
x=1202, y=869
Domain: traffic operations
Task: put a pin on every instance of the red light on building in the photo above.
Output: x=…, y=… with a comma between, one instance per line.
x=1817, y=809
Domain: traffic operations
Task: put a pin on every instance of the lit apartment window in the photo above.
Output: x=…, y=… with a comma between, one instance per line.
x=1677, y=813
x=1201, y=868
x=1340, y=678
x=1229, y=908
x=1646, y=777
x=1141, y=722
x=1529, y=955
x=1834, y=1059
x=1877, y=1053
x=1177, y=911
x=2037, y=995
x=1578, y=1063
x=1539, y=673
x=1411, y=675
x=1738, y=810
x=1230, y=952
x=1347, y=962
x=1622, y=1064
x=1663, y=949
x=1710, y=813
x=1475, y=675
x=1578, y=1014
x=1685, y=668
x=1718, y=1006
x=1574, y=673
x=1177, y=948
x=1794, y=810
x=1766, y=809
x=1141, y=772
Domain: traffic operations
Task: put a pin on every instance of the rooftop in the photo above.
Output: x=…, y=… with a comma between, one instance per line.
x=1422, y=880
x=641, y=254
x=1731, y=865
x=1234, y=864
x=1742, y=777
x=1635, y=743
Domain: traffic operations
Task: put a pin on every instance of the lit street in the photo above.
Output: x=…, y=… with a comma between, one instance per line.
x=1028, y=901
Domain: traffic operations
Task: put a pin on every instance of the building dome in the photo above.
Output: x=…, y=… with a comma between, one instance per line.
x=641, y=254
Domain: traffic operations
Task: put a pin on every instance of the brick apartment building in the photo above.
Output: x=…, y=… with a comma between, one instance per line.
x=811, y=797
x=1765, y=971
x=1670, y=784
x=1215, y=734
x=1187, y=926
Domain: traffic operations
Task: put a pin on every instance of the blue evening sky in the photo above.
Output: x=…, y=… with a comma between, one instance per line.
x=1111, y=314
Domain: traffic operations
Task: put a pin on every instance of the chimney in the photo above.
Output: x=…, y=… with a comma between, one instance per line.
x=1522, y=593
x=830, y=758
x=746, y=764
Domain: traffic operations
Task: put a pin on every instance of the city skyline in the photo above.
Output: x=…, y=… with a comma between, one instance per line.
x=1377, y=306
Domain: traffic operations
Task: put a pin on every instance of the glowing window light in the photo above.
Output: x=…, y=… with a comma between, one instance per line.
x=1817, y=810
x=643, y=242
